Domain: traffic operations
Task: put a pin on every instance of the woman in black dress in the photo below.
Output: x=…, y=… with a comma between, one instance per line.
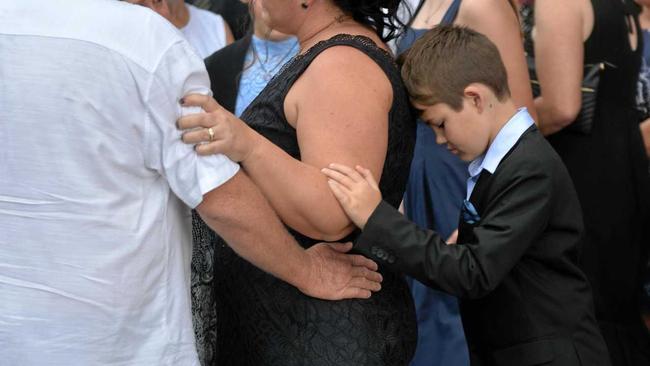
x=341, y=99
x=607, y=165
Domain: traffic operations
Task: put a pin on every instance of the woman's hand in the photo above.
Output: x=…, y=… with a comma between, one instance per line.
x=355, y=189
x=216, y=131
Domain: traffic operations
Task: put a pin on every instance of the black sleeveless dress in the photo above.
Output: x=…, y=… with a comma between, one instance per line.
x=609, y=171
x=264, y=321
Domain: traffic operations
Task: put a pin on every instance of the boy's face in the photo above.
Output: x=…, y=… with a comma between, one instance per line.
x=466, y=132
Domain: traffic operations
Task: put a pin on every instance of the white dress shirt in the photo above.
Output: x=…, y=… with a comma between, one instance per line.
x=95, y=185
x=205, y=31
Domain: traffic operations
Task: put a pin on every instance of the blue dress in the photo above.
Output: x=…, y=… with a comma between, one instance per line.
x=434, y=195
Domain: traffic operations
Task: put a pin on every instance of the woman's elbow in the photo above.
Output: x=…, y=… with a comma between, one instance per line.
x=565, y=112
x=330, y=230
x=336, y=234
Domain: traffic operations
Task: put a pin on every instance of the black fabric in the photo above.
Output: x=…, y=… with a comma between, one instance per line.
x=264, y=321
x=524, y=301
x=225, y=68
x=235, y=13
x=609, y=170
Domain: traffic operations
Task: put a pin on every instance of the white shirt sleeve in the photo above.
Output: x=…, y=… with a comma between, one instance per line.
x=180, y=72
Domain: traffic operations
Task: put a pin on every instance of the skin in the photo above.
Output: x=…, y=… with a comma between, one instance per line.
x=243, y=217
x=260, y=28
x=467, y=133
x=332, y=122
x=177, y=13
x=561, y=28
x=501, y=27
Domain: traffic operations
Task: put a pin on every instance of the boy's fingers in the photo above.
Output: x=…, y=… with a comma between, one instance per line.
x=351, y=173
x=337, y=189
x=368, y=176
x=338, y=177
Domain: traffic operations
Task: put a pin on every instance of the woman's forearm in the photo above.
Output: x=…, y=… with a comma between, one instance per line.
x=297, y=191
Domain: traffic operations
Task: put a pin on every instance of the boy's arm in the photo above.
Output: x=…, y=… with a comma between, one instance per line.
x=513, y=220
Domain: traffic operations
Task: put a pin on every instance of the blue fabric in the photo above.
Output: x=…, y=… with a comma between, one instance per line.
x=502, y=143
x=263, y=60
x=433, y=199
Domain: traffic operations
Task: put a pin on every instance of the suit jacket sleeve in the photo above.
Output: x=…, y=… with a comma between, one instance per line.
x=513, y=219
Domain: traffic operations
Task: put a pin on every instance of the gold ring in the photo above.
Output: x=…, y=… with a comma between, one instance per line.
x=211, y=133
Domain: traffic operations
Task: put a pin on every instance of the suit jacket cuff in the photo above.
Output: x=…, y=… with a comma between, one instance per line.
x=376, y=232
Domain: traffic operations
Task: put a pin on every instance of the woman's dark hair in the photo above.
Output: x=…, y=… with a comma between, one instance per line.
x=381, y=15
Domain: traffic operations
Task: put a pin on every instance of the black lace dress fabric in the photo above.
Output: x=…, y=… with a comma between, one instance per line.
x=264, y=321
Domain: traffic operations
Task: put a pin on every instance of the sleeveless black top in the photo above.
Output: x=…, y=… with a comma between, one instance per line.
x=264, y=321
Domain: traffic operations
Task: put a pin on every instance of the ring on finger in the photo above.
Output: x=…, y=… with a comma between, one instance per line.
x=211, y=134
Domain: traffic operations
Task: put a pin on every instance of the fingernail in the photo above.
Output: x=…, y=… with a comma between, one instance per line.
x=182, y=101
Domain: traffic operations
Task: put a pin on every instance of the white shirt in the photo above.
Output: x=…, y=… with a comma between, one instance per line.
x=94, y=244
x=499, y=148
x=205, y=31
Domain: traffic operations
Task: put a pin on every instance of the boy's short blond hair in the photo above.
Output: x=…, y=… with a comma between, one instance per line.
x=445, y=60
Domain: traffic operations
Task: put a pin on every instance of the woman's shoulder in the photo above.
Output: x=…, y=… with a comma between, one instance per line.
x=348, y=56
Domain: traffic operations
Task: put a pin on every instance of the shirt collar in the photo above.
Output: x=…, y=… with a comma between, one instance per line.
x=502, y=143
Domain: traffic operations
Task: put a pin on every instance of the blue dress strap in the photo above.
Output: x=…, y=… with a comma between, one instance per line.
x=452, y=13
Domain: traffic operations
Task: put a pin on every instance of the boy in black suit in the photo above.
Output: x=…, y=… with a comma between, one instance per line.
x=523, y=299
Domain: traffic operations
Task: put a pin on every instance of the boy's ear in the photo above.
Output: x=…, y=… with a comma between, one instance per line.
x=473, y=94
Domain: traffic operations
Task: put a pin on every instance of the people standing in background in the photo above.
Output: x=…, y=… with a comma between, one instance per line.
x=238, y=73
x=437, y=181
x=607, y=163
x=206, y=31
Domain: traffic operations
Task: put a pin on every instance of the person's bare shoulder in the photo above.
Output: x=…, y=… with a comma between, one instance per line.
x=349, y=68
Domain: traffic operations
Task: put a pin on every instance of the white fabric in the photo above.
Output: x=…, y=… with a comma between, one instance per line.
x=205, y=31
x=94, y=245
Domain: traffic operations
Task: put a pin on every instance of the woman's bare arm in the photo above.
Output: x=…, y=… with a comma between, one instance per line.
x=559, y=59
x=339, y=108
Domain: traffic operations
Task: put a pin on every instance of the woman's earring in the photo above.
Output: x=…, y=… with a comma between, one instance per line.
x=304, y=5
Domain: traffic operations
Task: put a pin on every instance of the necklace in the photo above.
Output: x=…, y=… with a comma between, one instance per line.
x=268, y=68
x=339, y=19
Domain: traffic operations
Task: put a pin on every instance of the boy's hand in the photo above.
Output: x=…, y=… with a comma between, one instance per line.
x=356, y=190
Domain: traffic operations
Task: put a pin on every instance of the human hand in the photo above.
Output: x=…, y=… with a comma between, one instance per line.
x=355, y=189
x=218, y=132
x=334, y=275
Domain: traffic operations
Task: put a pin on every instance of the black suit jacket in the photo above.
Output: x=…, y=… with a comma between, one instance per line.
x=225, y=68
x=523, y=299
